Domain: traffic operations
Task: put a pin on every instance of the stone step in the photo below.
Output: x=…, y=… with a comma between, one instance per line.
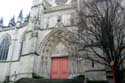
x=31, y=80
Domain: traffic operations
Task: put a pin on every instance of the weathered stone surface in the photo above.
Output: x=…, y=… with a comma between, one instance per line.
x=33, y=45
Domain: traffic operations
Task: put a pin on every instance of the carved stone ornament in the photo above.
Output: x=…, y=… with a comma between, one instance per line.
x=34, y=34
x=58, y=2
x=59, y=22
x=36, y=22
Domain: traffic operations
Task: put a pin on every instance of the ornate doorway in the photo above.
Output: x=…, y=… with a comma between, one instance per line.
x=59, y=68
x=56, y=51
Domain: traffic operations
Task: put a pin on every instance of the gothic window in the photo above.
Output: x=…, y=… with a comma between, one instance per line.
x=4, y=48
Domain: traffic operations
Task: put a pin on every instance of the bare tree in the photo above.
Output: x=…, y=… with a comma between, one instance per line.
x=101, y=33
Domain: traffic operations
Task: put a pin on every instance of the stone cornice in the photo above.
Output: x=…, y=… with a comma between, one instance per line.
x=12, y=28
x=59, y=8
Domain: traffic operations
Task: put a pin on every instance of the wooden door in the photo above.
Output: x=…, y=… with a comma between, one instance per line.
x=59, y=68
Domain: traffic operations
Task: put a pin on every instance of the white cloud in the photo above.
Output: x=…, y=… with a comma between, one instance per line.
x=8, y=8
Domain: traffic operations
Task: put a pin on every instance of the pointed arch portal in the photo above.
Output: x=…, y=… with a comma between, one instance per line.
x=56, y=50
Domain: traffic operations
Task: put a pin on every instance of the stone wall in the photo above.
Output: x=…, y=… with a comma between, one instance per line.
x=30, y=49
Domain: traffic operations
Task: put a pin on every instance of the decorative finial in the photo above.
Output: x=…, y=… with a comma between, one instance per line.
x=1, y=21
x=27, y=18
x=20, y=14
x=20, y=19
x=12, y=22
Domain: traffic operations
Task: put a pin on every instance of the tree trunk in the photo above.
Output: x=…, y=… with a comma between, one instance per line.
x=117, y=74
x=113, y=73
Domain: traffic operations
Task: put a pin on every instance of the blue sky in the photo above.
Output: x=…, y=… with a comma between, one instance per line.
x=8, y=8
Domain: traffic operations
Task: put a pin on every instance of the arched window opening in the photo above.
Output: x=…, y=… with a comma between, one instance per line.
x=4, y=48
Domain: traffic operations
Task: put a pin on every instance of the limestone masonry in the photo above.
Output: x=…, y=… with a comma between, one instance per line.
x=41, y=44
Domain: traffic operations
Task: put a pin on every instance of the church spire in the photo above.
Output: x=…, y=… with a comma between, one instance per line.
x=1, y=21
x=20, y=17
x=27, y=18
x=12, y=22
x=20, y=14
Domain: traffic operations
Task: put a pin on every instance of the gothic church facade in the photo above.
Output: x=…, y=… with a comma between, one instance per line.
x=41, y=44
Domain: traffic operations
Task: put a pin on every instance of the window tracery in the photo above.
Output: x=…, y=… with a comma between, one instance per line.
x=4, y=48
